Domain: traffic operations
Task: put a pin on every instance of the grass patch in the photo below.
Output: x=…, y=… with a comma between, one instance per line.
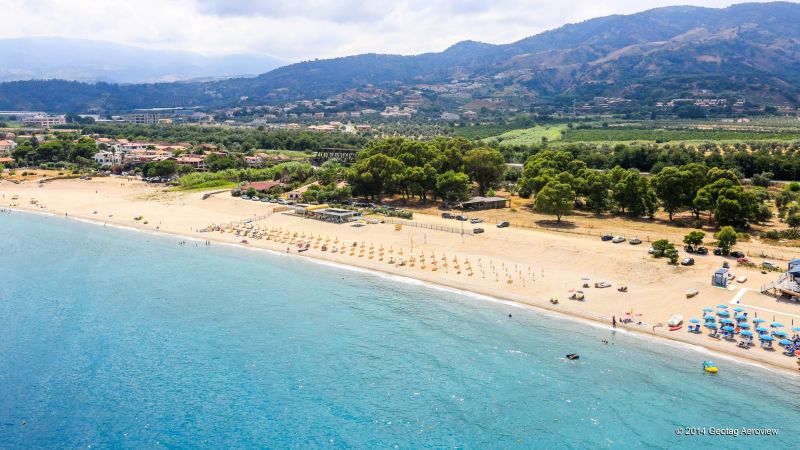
x=208, y=185
x=666, y=135
x=529, y=136
x=472, y=132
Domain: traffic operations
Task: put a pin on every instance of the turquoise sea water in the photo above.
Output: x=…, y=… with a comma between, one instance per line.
x=113, y=338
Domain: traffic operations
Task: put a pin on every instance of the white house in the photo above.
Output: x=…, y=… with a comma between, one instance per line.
x=7, y=146
x=105, y=158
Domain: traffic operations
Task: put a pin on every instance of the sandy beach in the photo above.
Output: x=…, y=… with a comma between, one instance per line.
x=520, y=265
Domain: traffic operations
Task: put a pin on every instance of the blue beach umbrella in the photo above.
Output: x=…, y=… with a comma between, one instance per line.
x=776, y=325
x=779, y=333
x=728, y=328
x=708, y=310
x=694, y=320
x=724, y=313
x=795, y=328
x=758, y=320
x=766, y=337
x=738, y=309
x=761, y=329
x=744, y=325
x=746, y=333
x=741, y=317
x=711, y=325
x=786, y=342
x=722, y=306
x=709, y=317
x=725, y=321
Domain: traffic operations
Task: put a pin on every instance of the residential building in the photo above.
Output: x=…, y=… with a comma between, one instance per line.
x=195, y=161
x=44, y=121
x=7, y=146
x=143, y=119
x=106, y=158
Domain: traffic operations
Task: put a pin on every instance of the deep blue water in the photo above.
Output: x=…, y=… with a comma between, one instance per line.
x=112, y=338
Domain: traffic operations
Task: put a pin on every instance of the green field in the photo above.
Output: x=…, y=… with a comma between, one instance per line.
x=528, y=136
x=667, y=135
x=482, y=131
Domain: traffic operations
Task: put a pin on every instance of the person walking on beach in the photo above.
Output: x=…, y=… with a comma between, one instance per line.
x=614, y=321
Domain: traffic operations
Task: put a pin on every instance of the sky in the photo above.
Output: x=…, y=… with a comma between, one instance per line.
x=298, y=30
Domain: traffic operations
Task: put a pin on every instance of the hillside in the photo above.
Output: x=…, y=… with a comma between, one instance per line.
x=746, y=50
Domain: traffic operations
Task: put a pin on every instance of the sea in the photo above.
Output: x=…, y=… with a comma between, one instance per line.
x=114, y=338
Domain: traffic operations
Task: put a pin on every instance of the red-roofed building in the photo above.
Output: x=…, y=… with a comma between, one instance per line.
x=262, y=185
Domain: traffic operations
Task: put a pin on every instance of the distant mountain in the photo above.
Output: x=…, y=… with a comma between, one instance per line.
x=747, y=50
x=85, y=60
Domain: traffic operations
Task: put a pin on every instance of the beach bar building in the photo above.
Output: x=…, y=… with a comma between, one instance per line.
x=477, y=203
x=720, y=278
x=326, y=213
x=788, y=283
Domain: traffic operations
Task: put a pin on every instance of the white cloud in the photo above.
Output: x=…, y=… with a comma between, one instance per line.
x=305, y=29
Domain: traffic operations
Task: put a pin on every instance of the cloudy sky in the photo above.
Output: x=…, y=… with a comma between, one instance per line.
x=296, y=30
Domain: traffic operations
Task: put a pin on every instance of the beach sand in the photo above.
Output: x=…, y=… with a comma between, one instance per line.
x=520, y=265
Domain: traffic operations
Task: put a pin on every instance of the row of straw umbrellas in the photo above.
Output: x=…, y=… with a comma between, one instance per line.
x=430, y=261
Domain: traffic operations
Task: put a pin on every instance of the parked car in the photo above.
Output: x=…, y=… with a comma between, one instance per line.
x=769, y=265
x=281, y=201
x=651, y=250
x=461, y=217
x=606, y=237
x=737, y=254
x=718, y=251
x=265, y=200
x=618, y=239
x=743, y=260
x=477, y=230
x=447, y=216
x=255, y=199
x=688, y=249
x=503, y=224
x=244, y=197
x=635, y=241
x=701, y=250
x=475, y=220
x=273, y=200
x=687, y=262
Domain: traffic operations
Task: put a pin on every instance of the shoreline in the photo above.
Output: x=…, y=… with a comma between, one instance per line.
x=595, y=320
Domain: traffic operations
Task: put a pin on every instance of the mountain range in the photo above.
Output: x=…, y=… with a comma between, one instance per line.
x=750, y=50
x=34, y=58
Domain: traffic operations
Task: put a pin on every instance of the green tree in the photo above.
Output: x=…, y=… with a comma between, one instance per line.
x=598, y=186
x=555, y=198
x=660, y=248
x=726, y=239
x=453, y=186
x=672, y=254
x=376, y=175
x=673, y=188
x=793, y=220
x=694, y=238
x=485, y=166
x=634, y=194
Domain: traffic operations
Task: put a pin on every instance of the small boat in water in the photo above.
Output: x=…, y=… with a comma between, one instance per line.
x=710, y=367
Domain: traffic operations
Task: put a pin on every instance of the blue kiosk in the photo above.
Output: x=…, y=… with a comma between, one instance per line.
x=720, y=278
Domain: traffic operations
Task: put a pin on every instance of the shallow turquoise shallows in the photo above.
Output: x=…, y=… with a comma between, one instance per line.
x=113, y=338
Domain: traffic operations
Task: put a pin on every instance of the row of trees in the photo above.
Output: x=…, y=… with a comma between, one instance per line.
x=71, y=149
x=560, y=182
x=443, y=167
x=231, y=139
x=779, y=160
